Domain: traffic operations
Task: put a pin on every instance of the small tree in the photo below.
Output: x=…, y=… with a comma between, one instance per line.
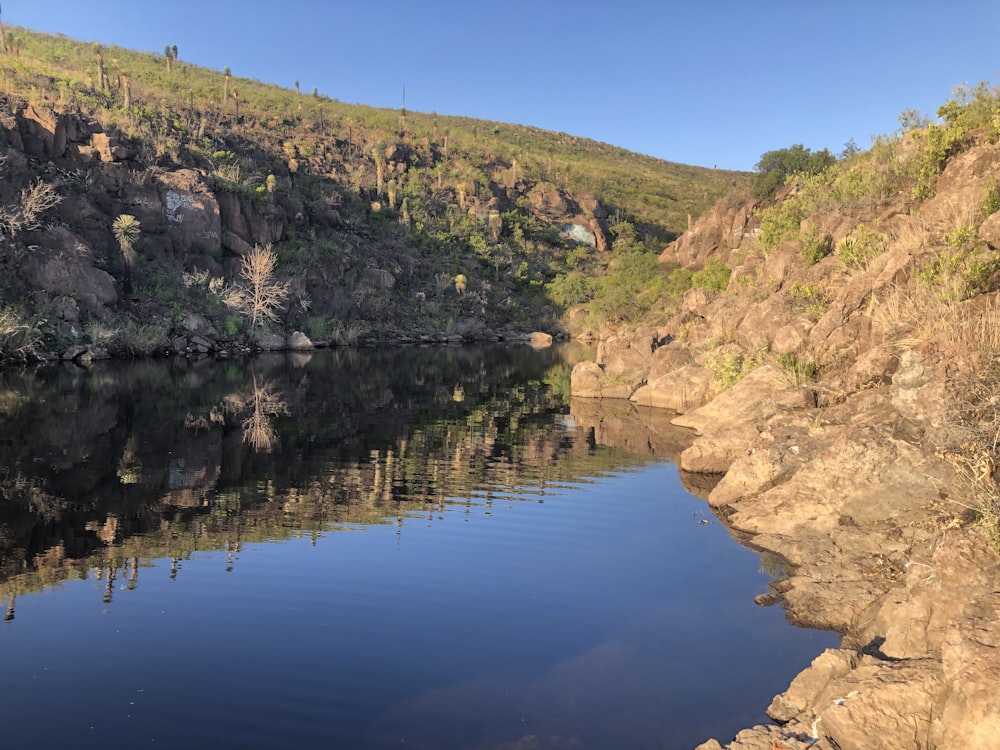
x=774, y=167
x=126, y=230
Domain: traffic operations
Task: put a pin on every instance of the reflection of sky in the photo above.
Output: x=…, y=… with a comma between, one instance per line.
x=606, y=615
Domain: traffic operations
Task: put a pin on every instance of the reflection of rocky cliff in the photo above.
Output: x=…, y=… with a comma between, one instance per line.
x=102, y=469
x=641, y=430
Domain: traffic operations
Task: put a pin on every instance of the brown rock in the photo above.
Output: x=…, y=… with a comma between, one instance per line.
x=714, y=454
x=106, y=149
x=750, y=399
x=202, y=344
x=43, y=133
x=61, y=265
x=807, y=687
x=540, y=340
x=588, y=380
x=234, y=243
x=199, y=324
x=989, y=230
x=679, y=390
x=270, y=342
x=298, y=341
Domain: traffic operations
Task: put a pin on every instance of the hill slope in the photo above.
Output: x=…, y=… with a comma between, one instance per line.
x=841, y=373
x=385, y=223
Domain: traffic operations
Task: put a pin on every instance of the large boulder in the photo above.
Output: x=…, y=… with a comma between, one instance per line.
x=43, y=132
x=191, y=212
x=589, y=380
x=108, y=149
x=298, y=341
x=679, y=390
x=271, y=342
x=720, y=231
x=61, y=264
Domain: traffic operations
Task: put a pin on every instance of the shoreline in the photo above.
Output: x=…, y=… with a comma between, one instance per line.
x=883, y=550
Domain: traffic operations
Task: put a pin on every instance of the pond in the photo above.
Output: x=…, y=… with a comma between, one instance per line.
x=421, y=548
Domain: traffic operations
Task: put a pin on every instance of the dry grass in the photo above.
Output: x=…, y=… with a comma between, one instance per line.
x=19, y=338
x=971, y=436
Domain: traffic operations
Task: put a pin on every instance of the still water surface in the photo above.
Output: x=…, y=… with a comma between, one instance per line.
x=422, y=549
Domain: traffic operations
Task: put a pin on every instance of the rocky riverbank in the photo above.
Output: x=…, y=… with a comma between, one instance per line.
x=883, y=549
x=848, y=412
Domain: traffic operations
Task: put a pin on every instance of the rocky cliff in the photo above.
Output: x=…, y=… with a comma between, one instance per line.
x=385, y=225
x=843, y=388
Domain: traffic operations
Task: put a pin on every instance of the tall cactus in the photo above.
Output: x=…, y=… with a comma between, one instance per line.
x=102, y=77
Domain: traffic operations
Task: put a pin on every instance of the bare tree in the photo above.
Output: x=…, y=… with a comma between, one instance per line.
x=260, y=297
x=258, y=429
x=26, y=214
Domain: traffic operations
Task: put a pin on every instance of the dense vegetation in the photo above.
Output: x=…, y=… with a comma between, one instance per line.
x=366, y=192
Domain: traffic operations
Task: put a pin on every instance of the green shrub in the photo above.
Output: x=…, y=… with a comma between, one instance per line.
x=571, y=288
x=781, y=222
x=798, y=371
x=729, y=366
x=231, y=326
x=140, y=340
x=934, y=146
x=861, y=246
x=714, y=275
x=815, y=246
x=961, y=238
x=991, y=200
x=960, y=274
x=808, y=299
x=319, y=328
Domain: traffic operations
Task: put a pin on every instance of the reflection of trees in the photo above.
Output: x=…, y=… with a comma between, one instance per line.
x=173, y=458
x=264, y=403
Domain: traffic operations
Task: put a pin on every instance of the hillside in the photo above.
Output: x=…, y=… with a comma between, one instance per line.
x=840, y=371
x=384, y=224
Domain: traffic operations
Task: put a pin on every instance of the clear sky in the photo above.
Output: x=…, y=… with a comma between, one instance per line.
x=707, y=82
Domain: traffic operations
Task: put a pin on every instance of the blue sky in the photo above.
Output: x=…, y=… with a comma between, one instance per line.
x=707, y=83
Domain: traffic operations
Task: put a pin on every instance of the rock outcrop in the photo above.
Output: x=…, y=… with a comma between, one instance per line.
x=836, y=449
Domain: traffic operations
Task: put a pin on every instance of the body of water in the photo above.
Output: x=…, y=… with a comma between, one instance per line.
x=362, y=549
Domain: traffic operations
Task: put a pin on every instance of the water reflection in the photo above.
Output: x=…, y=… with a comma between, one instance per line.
x=469, y=559
x=103, y=468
